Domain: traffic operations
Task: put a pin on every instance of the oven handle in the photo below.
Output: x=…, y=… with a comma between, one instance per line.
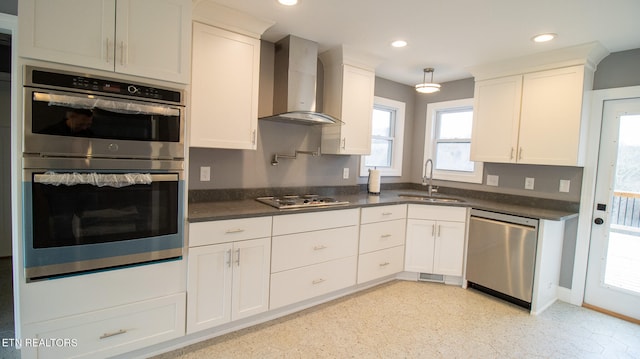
x=126, y=107
x=102, y=179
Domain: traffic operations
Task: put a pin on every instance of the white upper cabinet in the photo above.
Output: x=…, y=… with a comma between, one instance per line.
x=532, y=109
x=153, y=39
x=149, y=38
x=348, y=96
x=496, y=112
x=551, y=121
x=535, y=118
x=224, y=89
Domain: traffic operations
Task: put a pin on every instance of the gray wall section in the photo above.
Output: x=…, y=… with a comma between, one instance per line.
x=619, y=69
x=9, y=7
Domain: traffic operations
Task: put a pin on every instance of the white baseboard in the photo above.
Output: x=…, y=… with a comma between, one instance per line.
x=565, y=294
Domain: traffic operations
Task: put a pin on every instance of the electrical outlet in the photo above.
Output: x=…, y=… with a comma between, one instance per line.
x=492, y=180
x=205, y=173
x=529, y=182
x=345, y=173
x=564, y=185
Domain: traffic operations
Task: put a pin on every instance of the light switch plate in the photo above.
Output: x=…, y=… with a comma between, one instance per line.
x=529, y=182
x=564, y=185
x=492, y=180
x=205, y=173
x=345, y=173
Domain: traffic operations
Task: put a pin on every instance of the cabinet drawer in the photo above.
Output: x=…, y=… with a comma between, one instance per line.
x=111, y=331
x=381, y=235
x=383, y=213
x=438, y=213
x=303, y=249
x=313, y=221
x=380, y=264
x=215, y=232
x=307, y=282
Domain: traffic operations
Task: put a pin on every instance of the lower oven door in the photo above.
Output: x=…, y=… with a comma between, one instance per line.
x=83, y=220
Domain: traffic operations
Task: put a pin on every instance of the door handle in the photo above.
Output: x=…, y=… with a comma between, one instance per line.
x=598, y=221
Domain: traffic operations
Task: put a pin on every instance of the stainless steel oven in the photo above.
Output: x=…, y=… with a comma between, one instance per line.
x=80, y=115
x=91, y=214
x=103, y=173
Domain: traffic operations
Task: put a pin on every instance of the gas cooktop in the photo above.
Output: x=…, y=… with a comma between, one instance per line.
x=308, y=200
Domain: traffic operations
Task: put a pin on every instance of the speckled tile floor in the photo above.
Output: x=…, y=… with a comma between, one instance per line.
x=426, y=320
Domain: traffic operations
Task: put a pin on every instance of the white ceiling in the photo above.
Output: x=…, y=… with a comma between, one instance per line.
x=449, y=35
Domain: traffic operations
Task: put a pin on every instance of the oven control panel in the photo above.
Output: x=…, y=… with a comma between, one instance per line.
x=102, y=85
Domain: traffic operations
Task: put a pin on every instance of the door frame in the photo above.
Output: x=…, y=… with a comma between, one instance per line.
x=9, y=25
x=587, y=199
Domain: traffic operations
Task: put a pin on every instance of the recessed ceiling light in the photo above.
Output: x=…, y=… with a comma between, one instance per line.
x=399, y=43
x=288, y=2
x=544, y=37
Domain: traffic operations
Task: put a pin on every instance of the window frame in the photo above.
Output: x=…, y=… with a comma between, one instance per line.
x=431, y=142
x=397, y=139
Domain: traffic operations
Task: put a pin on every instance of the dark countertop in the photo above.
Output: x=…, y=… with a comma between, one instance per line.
x=217, y=210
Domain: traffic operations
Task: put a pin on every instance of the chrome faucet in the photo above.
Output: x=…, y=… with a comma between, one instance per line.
x=424, y=178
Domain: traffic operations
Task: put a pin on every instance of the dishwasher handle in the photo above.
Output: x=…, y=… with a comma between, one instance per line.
x=502, y=223
x=503, y=217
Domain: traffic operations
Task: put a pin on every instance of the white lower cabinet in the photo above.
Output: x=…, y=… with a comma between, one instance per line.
x=382, y=238
x=302, y=283
x=435, y=239
x=107, y=332
x=227, y=281
x=380, y=264
x=313, y=254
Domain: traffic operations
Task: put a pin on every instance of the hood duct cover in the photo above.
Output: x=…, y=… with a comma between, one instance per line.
x=294, y=83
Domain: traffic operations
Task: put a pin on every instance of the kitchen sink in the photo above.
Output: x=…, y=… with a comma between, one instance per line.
x=432, y=199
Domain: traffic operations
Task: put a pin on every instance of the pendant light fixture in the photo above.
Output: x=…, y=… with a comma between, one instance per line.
x=427, y=87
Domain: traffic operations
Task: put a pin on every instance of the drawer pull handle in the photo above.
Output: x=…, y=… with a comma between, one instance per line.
x=385, y=236
x=318, y=281
x=320, y=247
x=384, y=264
x=237, y=230
x=387, y=213
x=109, y=335
x=229, y=258
x=238, y=260
x=433, y=230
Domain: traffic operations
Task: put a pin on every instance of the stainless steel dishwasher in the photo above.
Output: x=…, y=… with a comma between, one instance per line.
x=501, y=255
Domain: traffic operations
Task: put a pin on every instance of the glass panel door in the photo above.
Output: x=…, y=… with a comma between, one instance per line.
x=613, y=278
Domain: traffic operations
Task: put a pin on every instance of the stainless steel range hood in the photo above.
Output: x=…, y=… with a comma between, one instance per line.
x=294, y=83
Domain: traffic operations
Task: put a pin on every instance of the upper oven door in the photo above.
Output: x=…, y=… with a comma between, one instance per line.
x=68, y=124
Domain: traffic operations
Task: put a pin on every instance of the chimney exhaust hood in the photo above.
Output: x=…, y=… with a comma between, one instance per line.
x=294, y=83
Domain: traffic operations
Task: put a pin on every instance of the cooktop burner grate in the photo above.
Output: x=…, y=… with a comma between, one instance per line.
x=303, y=201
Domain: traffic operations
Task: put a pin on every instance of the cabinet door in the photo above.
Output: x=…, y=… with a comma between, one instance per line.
x=74, y=32
x=348, y=95
x=496, y=113
x=251, y=277
x=551, y=117
x=153, y=39
x=357, y=110
x=209, y=286
x=449, y=248
x=419, y=246
x=224, y=89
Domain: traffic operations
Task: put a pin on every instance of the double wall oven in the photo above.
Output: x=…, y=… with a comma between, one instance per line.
x=103, y=173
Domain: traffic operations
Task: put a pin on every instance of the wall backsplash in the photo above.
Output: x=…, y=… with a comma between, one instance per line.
x=253, y=169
